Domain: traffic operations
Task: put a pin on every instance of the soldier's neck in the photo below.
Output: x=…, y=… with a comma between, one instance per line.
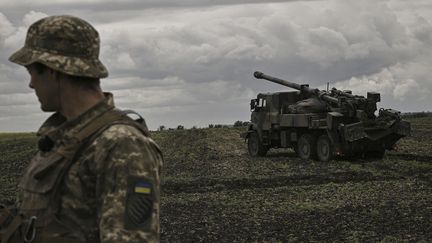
x=76, y=101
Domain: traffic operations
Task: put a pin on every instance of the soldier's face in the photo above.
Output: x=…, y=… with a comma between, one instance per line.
x=46, y=87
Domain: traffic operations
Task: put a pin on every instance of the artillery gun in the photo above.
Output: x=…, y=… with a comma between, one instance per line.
x=320, y=124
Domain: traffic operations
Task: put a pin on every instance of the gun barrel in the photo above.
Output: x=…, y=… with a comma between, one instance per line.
x=303, y=88
x=260, y=75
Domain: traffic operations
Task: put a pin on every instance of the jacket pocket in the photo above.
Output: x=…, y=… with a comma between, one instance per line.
x=43, y=173
x=39, y=180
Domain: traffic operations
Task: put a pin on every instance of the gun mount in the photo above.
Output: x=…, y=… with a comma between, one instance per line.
x=320, y=124
x=336, y=100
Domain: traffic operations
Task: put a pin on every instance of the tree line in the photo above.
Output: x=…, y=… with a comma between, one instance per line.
x=181, y=127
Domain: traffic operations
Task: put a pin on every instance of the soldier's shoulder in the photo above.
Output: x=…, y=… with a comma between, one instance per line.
x=120, y=133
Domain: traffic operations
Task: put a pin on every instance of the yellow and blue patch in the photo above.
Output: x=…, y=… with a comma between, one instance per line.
x=143, y=187
x=139, y=203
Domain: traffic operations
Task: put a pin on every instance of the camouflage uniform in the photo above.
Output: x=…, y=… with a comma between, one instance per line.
x=96, y=178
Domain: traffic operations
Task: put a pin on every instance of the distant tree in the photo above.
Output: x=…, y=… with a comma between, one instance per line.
x=417, y=114
x=238, y=124
x=180, y=127
x=241, y=123
x=161, y=128
x=218, y=126
x=194, y=127
x=211, y=126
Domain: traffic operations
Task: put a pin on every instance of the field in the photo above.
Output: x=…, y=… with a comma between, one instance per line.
x=213, y=191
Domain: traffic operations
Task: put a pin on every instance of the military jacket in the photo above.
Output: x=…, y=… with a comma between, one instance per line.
x=110, y=191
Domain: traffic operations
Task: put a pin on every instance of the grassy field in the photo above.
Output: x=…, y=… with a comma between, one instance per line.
x=213, y=191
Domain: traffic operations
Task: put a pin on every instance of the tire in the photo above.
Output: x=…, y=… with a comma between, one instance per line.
x=255, y=146
x=306, y=147
x=324, y=148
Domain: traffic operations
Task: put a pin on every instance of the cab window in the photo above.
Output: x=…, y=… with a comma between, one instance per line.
x=261, y=102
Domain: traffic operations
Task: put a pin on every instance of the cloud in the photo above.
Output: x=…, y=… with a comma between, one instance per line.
x=195, y=61
x=106, y=5
x=381, y=82
x=323, y=46
x=394, y=86
x=175, y=95
x=6, y=27
x=32, y=17
x=402, y=89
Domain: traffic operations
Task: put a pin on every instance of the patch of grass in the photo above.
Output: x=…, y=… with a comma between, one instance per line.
x=213, y=191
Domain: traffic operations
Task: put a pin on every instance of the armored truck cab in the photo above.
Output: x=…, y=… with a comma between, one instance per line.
x=320, y=124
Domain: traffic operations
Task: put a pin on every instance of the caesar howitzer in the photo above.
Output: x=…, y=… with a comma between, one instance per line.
x=319, y=124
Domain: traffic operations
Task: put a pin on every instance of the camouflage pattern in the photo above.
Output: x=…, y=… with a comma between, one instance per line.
x=319, y=124
x=94, y=192
x=64, y=43
x=310, y=105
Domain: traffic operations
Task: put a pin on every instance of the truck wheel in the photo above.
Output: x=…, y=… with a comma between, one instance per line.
x=255, y=146
x=324, y=148
x=306, y=147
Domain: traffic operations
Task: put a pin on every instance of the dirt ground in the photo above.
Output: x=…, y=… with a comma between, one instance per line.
x=214, y=192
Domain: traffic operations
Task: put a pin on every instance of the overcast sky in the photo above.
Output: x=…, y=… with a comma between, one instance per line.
x=191, y=62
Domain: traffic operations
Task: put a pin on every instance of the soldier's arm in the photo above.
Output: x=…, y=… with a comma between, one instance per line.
x=128, y=185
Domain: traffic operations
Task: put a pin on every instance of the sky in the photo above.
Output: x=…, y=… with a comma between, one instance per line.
x=191, y=62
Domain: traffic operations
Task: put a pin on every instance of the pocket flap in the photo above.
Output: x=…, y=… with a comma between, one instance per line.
x=43, y=173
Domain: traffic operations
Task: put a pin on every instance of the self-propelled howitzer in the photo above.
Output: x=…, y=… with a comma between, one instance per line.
x=335, y=100
x=320, y=124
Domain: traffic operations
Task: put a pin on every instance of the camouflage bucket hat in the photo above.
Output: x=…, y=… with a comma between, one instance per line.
x=64, y=43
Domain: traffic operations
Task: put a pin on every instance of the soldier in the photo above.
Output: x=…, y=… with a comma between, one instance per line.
x=96, y=176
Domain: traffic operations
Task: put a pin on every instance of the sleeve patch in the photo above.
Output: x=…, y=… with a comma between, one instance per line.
x=139, y=203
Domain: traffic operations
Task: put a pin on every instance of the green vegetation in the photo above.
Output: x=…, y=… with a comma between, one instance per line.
x=16, y=150
x=213, y=191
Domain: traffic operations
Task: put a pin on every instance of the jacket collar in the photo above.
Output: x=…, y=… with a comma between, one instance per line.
x=57, y=128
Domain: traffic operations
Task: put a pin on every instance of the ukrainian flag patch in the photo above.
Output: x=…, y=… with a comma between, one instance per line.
x=143, y=187
x=140, y=198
